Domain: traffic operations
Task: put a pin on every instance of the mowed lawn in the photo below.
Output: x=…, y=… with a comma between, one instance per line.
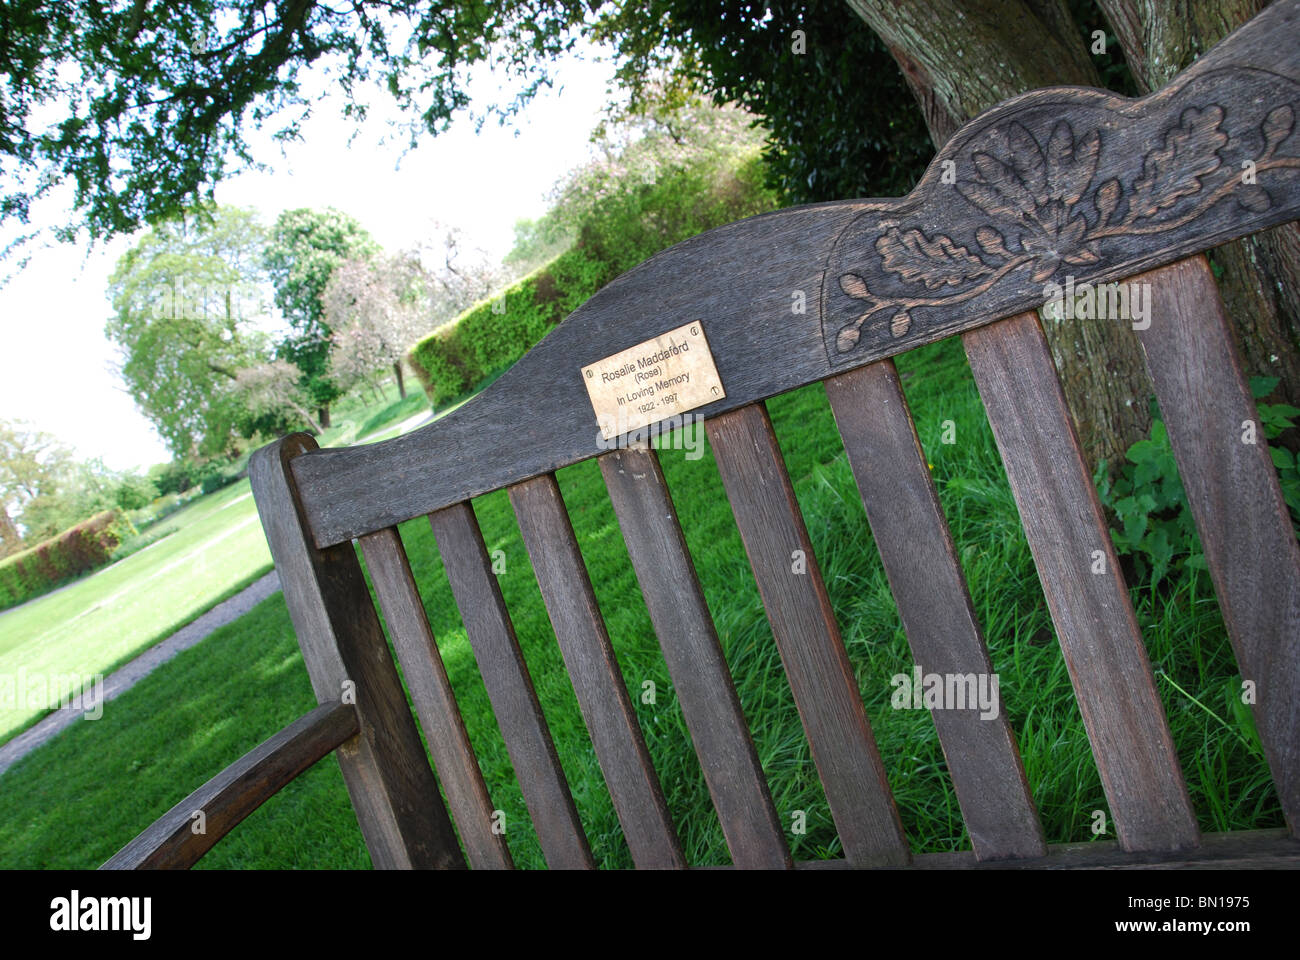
x=217, y=548
x=78, y=800
x=99, y=622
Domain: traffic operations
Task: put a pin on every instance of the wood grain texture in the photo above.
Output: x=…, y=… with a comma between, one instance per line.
x=930, y=589
x=807, y=636
x=1094, y=620
x=171, y=843
x=435, y=702
x=510, y=689
x=1233, y=491
x=594, y=672
x=386, y=770
x=1060, y=181
x=701, y=679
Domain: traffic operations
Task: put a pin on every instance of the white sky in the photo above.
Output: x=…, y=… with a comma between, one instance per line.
x=54, y=360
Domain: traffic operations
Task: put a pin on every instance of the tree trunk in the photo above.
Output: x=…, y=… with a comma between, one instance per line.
x=1260, y=282
x=318, y=428
x=961, y=57
x=323, y=416
x=401, y=384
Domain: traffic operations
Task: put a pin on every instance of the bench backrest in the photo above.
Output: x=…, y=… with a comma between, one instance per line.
x=1055, y=183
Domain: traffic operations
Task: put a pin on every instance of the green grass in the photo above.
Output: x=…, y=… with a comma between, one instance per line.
x=193, y=559
x=412, y=404
x=105, y=619
x=81, y=798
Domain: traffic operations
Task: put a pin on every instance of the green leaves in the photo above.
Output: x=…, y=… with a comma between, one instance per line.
x=1156, y=528
x=1148, y=500
x=143, y=107
x=186, y=300
x=842, y=120
x=1261, y=387
x=302, y=252
x=1276, y=418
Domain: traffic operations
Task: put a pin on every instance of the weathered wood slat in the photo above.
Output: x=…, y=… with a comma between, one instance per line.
x=701, y=680
x=1233, y=491
x=597, y=680
x=807, y=636
x=435, y=702
x=175, y=841
x=930, y=590
x=386, y=770
x=510, y=688
x=1083, y=584
x=879, y=277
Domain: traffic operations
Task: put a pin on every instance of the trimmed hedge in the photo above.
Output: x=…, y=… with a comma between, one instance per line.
x=493, y=334
x=623, y=229
x=75, y=551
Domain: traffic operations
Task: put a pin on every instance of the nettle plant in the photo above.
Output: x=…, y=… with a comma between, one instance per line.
x=1156, y=529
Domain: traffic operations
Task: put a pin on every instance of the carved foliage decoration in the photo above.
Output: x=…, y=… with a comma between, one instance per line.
x=1056, y=189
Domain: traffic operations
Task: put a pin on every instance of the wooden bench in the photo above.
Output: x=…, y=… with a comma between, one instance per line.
x=1054, y=183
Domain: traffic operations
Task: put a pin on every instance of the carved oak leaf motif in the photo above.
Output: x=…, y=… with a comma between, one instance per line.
x=935, y=262
x=1034, y=192
x=1174, y=170
x=1038, y=188
x=854, y=286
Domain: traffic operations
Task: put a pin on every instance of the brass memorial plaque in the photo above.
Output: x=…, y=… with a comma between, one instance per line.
x=654, y=380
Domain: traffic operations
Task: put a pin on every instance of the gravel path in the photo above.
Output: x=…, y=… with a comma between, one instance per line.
x=129, y=675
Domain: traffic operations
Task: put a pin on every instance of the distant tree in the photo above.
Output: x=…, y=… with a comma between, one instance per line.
x=304, y=248
x=134, y=491
x=634, y=150
x=272, y=391
x=188, y=299
x=457, y=273
x=656, y=179
x=10, y=539
x=31, y=463
x=377, y=309
x=81, y=489
x=536, y=241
